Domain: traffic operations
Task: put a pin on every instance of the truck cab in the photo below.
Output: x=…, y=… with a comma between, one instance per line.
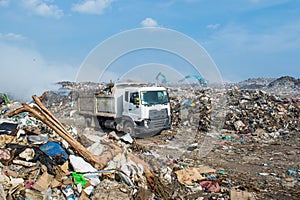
x=147, y=109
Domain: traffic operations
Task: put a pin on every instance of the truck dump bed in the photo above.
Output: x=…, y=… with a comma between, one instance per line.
x=86, y=104
x=99, y=105
x=105, y=105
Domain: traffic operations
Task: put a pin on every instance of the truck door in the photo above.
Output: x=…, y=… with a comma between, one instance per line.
x=132, y=104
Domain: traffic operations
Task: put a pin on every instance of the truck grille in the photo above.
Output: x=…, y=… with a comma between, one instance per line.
x=158, y=118
x=158, y=114
x=158, y=123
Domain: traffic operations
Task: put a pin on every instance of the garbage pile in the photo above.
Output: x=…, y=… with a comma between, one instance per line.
x=191, y=108
x=247, y=160
x=250, y=110
x=4, y=99
x=285, y=86
x=69, y=92
x=43, y=158
x=81, y=86
x=244, y=111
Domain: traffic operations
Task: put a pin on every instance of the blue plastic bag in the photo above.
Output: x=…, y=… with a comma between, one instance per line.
x=54, y=149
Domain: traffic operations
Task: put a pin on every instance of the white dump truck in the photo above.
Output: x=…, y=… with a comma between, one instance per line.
x=132, y=108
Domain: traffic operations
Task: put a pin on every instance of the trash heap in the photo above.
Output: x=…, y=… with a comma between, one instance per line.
x=4, y=99
x=243, y=111
x=42, y=159
x=246, y=160
x=250, y=110
x=285, y=85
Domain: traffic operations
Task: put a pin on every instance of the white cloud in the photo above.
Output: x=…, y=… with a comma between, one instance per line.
x=11, y=36
x=43, y=8
x=213, y=26
x=25, y=72
x=4, y=3
x=149, y=22
x=92, y=6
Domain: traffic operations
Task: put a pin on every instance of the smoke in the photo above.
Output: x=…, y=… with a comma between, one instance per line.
x=24, y=72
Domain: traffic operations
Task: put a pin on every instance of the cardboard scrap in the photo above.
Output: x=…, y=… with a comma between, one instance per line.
x=84, y=196
x=240, y=195
x=55, y=183
x=43, y=182
x=189, y=175
x=65, y=168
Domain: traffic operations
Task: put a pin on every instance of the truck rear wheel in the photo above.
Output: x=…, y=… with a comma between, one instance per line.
x=129, y=128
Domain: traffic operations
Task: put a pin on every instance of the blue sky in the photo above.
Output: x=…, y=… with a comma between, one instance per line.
x=42, y=41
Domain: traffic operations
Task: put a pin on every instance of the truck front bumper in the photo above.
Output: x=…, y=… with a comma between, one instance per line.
x=152, y=128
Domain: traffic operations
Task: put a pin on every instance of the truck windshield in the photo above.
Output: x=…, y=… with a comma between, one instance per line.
x=154, y=97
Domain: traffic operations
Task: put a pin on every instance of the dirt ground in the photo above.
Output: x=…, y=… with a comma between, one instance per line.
x=267, y=167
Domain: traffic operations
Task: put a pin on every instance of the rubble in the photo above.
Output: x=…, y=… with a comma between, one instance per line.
x=286, y=86
x=246, y=150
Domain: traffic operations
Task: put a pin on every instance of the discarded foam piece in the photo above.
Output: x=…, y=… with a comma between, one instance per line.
x=89, y=190
x=37, y=139
x=113, y=135
x=16, y=181
x=97, y=148
x=27, y=154
x=92, y=178
x=24, y=163
x=80, y=165
x=127, y=138
x=132, y=169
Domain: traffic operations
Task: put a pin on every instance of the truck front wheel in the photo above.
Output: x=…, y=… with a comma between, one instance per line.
x=129, y=128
